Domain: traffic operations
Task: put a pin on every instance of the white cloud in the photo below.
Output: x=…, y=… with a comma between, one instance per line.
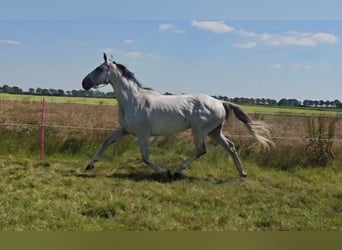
x=166, y=26
x=10, y=42
x=139, y=55
x=294, y=38
x=301, y=66
x=292, y=66
x=246, y=33
x=246, y=45
x=276, y=66
x=213, y=26
x=325, y=38
x=299, y=39
x=291, y=38
x=129, y=41
x=170, y=28
x=133, y=54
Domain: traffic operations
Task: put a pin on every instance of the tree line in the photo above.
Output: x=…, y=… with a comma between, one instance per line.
x=284, y=102
x=239, y=100
x=55, y=92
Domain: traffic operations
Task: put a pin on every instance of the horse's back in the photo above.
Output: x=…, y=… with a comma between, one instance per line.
x=173, y=114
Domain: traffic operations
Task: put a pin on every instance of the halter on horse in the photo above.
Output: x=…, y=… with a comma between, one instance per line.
x=145, y=113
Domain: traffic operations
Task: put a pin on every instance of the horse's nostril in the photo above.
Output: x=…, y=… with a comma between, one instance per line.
x=86, y=83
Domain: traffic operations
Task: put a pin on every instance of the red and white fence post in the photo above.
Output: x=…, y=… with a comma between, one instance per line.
x=42, y=130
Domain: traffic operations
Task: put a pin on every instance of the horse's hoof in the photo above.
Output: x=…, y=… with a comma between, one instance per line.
x=167, y=174
x=178, y=176
x=89, y=166
x=243, y=175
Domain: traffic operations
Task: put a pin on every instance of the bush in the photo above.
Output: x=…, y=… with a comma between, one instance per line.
x=320, y=132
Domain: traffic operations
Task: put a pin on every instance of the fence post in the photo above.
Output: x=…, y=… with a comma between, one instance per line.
x=42, y=130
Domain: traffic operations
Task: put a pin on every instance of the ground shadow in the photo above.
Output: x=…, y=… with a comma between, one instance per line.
x=144, y=176
x=75, y=173
x=139, y=176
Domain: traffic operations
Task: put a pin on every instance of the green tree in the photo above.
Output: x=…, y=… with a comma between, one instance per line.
x=283, y=102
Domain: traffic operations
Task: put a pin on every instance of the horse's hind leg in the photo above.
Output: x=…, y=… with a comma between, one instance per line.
x=200, y=150
x=110, y=140
x=228, y=145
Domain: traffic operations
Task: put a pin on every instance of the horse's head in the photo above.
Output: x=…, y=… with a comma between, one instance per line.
x=108, y=72
x=100, y=75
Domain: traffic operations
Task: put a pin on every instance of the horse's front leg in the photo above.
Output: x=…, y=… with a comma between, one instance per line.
x=145, y=153
x=110, y=140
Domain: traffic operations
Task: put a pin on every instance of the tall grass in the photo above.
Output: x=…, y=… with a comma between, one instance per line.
x=288, y=155
x=320, y=134
x=315, y=150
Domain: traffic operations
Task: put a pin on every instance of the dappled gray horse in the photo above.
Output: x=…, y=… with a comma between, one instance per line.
x=144, y=113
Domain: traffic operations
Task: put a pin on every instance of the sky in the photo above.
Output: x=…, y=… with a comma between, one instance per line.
x=271, y=49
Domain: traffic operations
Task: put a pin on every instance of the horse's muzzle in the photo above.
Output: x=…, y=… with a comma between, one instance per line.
x=87, y=83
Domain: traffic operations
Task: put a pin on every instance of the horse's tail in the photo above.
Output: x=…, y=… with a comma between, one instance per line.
x=259, y=129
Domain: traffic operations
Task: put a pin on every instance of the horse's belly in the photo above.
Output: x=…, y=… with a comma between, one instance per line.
x=169, y=126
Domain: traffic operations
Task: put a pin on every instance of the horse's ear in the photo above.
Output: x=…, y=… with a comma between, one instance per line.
x=105, y=57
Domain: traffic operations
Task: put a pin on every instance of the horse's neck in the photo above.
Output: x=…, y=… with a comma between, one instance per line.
x=127, y=93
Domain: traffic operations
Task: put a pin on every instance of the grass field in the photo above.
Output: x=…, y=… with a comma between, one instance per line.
x=120, y=194
x=57, y=99
x=281, y=192
x=255, y=109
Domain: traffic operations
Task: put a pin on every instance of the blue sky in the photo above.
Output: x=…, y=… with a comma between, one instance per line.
x=232, y=48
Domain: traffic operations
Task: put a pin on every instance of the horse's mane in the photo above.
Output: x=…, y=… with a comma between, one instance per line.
x=129, y=75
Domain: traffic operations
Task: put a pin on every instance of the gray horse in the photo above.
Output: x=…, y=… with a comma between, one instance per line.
x=145, y=113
